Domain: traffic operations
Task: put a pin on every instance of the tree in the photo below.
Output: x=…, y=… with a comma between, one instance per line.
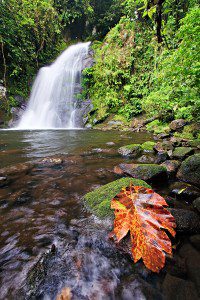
x=27, y=31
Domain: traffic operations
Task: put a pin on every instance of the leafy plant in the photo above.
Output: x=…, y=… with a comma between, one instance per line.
x=142, y=212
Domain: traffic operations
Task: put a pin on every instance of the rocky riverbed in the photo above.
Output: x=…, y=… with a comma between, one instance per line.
x=56, y=214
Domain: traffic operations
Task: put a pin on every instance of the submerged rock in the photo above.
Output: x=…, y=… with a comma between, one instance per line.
x=190, y=170
x=133, y=150
x=98, y=201
x=51, y=161
x=147, y=172
x=13, y=172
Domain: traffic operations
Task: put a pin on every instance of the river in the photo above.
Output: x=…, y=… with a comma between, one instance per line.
x=44, y=207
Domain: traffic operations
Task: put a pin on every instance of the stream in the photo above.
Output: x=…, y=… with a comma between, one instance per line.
x=42, y=212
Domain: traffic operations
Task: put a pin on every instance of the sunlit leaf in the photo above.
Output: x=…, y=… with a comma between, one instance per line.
x=141, y=211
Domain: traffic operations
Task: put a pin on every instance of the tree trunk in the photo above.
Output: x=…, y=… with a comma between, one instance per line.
x=159, y=20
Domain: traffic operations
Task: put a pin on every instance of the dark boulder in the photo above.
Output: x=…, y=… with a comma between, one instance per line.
x=196, y=204
x=184, y=191
x=195, y=241
x=177, y=124
x=192, y=258
x=171, y=166
x=190, y=170
x=161, y=157
x=182, y=152
x=133, y=150
x=177, y=288
x=163, y=146
x=147, y=172
x=186, y=221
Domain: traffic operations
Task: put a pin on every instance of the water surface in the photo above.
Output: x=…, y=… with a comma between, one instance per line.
x=44, y=207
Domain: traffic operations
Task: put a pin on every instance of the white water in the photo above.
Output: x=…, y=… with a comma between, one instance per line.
x=53, y=97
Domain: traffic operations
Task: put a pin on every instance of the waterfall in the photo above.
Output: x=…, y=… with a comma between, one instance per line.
x=53, y=100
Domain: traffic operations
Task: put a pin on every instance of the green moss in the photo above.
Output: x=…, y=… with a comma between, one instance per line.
x=157, y=127
x=98, y=201
x=148, y=146
x=132, y=150
x=181, y=152
x=195, y=143
x=144, y=171
x=189, y=132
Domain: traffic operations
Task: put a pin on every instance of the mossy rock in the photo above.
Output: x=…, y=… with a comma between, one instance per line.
x=133, y=150
x=148, y=172
x=195, y=143
x=190, y=170
x=148, y=146
x=182, y=152
x=98, y=201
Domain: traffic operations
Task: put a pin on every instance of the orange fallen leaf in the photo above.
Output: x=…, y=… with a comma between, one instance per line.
x=141, y=211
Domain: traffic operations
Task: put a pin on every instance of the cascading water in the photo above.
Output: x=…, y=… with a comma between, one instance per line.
x=52, y=103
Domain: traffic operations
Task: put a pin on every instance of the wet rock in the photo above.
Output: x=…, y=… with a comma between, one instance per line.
x=182, y=152
x=175, y=266
x=146, y=159
x=148, y=146
x=51, y=161
x=186, y=221
x=3, y=181
x=184, y=191
x=17, y=113
x=177, y=288
x=115, y=123
x=195, y=241
x=177, y=124
x=192, y=258
x=195, y=143
x=163, y=146
x=88, y=126
x=176, y=142
x=161, y=157
x=196, y=204
x=137, y=288
x=133, y=150
x=190, y=170
x=37, y=274
x=163, y=136
x=13, y=172
x=110, y=143
x=81, y=113
x=171, y=166
x=147, y=172
x=98, y=201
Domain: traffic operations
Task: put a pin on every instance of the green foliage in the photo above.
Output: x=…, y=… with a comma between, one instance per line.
x=118, y=80
x=28, y=29
x=134, y=74
x=176, y=81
